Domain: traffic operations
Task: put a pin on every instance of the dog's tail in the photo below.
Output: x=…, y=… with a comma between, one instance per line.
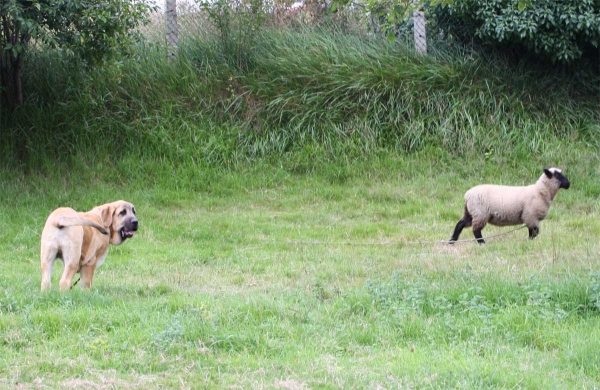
x=79, y=221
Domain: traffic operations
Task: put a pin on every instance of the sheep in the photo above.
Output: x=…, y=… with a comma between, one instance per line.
x=506, y=205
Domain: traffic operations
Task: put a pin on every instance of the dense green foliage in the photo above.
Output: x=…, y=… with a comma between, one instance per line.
x=563, y=31
x=237, y=23
x=319, y=92
x=93, y=30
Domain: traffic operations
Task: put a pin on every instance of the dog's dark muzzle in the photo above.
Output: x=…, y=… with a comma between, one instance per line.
x=131, y=226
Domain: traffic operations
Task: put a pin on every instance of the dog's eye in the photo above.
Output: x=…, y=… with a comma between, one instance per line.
x=123, y=212
x=133, y=209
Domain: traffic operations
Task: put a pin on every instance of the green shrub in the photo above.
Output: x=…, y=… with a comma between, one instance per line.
x=237, y=23
x=563, y=31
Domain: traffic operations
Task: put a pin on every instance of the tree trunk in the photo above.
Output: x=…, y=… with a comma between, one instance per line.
x=6, y=97
x=18, y=85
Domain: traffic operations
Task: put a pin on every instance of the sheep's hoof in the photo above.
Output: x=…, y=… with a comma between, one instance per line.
x=533, y=232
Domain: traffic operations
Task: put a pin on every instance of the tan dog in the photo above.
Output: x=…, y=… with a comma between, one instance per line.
x=81, y=240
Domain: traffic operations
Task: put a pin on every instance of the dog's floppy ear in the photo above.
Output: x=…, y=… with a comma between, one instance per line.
x=107, y=215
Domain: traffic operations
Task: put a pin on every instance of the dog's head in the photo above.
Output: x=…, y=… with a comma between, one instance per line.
x=120, y=218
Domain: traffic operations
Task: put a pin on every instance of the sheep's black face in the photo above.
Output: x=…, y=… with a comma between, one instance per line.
x=564, y=182
x=555, y=173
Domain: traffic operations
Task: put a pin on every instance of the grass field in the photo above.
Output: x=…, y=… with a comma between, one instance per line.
x=279, y=280
x=290, y=217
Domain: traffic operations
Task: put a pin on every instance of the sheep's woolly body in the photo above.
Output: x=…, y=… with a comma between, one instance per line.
x=506, y=205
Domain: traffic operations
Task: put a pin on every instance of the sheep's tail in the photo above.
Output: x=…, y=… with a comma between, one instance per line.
x=79, y=221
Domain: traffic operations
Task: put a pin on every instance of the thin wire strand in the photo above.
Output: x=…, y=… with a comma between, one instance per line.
x=305, y=242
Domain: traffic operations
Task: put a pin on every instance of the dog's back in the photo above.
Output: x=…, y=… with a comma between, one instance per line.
x=67, y=217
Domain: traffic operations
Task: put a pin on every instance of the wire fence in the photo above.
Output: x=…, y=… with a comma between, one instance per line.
x=419, y=30
x=177, y=20
x=172, y=27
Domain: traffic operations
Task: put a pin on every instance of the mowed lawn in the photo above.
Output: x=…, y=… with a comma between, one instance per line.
x=329, y=280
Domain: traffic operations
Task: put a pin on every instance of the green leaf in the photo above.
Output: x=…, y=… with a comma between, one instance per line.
x=391, y=36
x=522, y=4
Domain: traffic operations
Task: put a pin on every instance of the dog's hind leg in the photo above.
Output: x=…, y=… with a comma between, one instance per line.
x=67, y=276
x=71, y=259
x=48, y=256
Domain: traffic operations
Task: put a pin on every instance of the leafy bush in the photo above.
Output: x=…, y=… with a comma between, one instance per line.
x=237, y=23
x=93, y=30
x=563, y=31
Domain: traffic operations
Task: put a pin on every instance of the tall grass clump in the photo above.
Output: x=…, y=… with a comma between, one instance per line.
x=144, y=107
x=305, y=93
x=330, y=87
x=236, y=23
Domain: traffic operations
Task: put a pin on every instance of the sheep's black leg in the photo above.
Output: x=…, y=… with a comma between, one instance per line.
x=478, y=236
x=533, y=232
x=459, y=227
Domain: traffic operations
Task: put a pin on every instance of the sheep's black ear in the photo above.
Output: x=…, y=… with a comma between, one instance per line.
x=548, y=173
